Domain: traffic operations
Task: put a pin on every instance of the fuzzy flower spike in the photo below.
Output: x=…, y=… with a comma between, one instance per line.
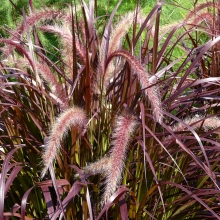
x=72, y=117
x=124, y=127
x=197, y=121
x=101, y=166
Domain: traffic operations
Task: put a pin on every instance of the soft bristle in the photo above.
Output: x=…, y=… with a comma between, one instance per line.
x=99, y=167
x=66, y=37
x=72, y=117
x=119, y=31
x=121, y=135
x=150, y=91
x=198, y=121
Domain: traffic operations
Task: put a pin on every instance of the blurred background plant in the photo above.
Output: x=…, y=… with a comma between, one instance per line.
x=120, y=70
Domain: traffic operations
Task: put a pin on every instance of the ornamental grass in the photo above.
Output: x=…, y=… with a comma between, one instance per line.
x=109, y=116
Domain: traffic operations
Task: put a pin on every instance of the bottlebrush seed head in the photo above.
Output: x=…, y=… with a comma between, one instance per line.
x=99, y=167
x=72, y=117
x=197, y=121
x=124, y=127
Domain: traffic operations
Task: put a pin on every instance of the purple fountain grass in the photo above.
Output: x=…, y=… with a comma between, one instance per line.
x=22, y=49
x=198, y=18
x=121, y=135
x=62, y=31
x=101, y=166
x=66, y=37
x=58, y=92
x=74, y=116
x=150, y=91
x=57, y=88
x=199, y=122
x=115, y=41
x=66, y=41
x=119, y=31
x=46, y=14
x=31, y=20
x=41, y=15
x=203, y=17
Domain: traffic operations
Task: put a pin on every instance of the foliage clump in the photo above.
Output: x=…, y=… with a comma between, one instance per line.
x=115, y=96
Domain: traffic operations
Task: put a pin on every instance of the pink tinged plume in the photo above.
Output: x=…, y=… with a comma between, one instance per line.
x=123, y=129
x=150, y=91
x=101, y=166
x=198, y=122
x=72, y=117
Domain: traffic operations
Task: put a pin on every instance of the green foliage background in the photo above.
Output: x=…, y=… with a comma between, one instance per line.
x=9, y=16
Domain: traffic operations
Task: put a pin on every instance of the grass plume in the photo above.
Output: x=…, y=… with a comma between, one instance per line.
x=150, y=91
x=101, y=166
x=197, y=122
x=121, y=135
x=74, y=116
x=66, y=38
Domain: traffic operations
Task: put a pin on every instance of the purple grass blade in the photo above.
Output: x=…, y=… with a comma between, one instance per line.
x=48, y=199
x=15, y=208
x=205, y=48
x=206, y=168
x=143, y=26
x=2, y=180
x=82, y=177
x=166, y=43
x=53, y=177
x=194, y=196
x=154, y=173
x=47, y=195
x=153, y=135
x=144, y=144
x=11, y=177
x=114, y=198
x=123, y=208
x=13, y=165
x=89, y=203
x=194, y=83
x=21, y=49
x=7, y=215
x=161, y=72
x=24, y=202
x=105, y=39
x=30, y=44
x=77, y=186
